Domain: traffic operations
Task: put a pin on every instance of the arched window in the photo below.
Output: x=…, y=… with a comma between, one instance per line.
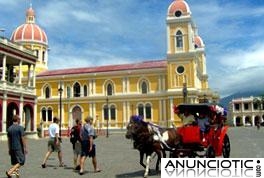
x=43, y=56
x=85, y=90
x=141, y=110
x=49, y=114
x=179, y=40
x=113, y=112
x=47, y=92
x=37, y=53
x=144, y=87
x=76, y=90
x=43, y=115
x=109, y=89
x=148, y=111
x=106, y=112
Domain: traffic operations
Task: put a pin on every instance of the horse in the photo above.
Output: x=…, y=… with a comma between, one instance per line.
x=146, y=137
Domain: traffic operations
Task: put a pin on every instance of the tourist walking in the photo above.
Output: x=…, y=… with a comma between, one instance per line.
x=16, y=146
x=88, y=147
x=75, y=139
x=54, y=143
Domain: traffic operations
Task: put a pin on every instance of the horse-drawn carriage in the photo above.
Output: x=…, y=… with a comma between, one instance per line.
x=209, y=142
x=194, y=139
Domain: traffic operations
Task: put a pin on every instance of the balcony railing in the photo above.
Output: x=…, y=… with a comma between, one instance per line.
x=17, y=88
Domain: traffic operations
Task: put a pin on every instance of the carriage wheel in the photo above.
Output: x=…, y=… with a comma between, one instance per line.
x=226, y=147
x=210, y=152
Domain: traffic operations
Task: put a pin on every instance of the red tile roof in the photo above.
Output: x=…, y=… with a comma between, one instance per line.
x=108, y=68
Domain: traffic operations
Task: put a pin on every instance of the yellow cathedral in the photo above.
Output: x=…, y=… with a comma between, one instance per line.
x=112, y=93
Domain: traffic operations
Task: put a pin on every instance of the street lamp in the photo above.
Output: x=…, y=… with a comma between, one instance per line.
x=60, y=90
x=107, y=117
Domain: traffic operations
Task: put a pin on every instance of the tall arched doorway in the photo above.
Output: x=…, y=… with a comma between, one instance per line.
x=12, y=109
x=76, y=113
x=248, y=121
x=28, y=117
x=238, y=121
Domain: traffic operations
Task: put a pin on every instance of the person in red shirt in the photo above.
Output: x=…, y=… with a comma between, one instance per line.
x=76, y=143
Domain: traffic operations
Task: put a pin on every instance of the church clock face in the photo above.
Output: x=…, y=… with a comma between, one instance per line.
x=180, y=69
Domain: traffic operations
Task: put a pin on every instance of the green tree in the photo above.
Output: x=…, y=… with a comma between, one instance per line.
x=259, y=101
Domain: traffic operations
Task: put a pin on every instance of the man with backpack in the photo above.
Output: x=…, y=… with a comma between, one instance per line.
x=88, y=147
x=76, y=143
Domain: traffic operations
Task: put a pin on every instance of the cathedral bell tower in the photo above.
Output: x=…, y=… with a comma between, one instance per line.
x=185, y=54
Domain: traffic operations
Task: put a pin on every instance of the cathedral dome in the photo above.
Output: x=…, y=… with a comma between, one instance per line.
x=178, y=8
x=198, y=42
x=29, y=31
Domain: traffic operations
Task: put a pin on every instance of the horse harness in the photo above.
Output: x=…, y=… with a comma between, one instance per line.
x=158, y=136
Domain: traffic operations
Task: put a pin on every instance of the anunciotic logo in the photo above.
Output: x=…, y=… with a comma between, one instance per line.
x=211, y=167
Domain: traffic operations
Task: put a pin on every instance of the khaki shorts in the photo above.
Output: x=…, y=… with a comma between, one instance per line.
x=77, y=148
x=52, y=146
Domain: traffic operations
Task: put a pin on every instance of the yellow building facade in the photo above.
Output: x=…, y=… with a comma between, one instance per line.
x=111, y=94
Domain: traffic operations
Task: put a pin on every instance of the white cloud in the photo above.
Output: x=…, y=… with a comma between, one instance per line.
x=242, y=59
x=69, y=56
x=92, y=33
x=84, y=16
x=249, y=79
x=54, y=14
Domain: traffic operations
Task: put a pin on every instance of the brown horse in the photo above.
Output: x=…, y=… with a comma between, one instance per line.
x=149, y=138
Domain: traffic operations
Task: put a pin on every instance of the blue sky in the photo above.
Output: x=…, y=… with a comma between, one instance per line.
x=101, y=32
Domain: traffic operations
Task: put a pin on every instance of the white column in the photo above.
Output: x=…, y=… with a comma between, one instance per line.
x=165, y=110
x=160, y=83
x=20, y=73
x=129, y=110
x=94, y=110
x=243, y=120
x=94, y=86
x=128, y=85
x=163, y=82
x=4, y=68
x=190, y=37
x=168, y=40
x=28, y=81
x=4, y=119
x=46, y=57
x=161, y=119
x=34, y=119
x=34, y=76
x=253, y=120
x=234, y=121
x=171, y=109
x=124, y=113
x=21, y=101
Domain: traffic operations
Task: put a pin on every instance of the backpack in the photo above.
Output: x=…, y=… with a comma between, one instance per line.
x=74, y=135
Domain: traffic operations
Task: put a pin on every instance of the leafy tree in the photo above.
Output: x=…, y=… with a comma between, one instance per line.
x=259, y=101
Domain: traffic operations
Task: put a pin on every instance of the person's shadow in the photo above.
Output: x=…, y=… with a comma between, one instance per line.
x=137, y=174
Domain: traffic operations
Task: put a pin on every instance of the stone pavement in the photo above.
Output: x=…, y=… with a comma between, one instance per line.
x=115, y=156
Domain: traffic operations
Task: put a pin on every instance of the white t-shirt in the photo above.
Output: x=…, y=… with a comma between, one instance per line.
x=53, y=129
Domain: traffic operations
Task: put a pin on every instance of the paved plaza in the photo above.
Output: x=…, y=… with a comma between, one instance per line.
x=116, y=157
